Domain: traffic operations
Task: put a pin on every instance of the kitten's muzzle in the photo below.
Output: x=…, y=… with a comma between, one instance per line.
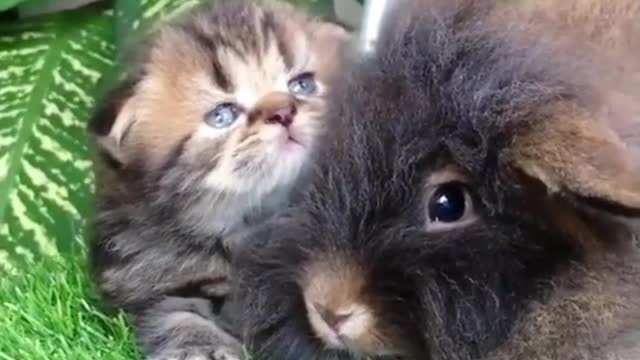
x=275, y=108
x=283, y=116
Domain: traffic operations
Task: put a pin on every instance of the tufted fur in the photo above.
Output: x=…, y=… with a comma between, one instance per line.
x=532, y=112
x=173, y=190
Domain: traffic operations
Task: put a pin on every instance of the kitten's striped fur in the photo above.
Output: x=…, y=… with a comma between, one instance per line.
x=173, y=190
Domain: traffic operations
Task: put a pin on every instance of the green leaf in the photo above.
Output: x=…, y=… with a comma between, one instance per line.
x=319, y=7
x=8, y=4
x=49, y=70
x=39, y=7
x=134, y=17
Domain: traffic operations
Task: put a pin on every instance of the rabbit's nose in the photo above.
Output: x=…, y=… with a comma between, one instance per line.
x=339, y=314
x=345, y=328
x=333, y=319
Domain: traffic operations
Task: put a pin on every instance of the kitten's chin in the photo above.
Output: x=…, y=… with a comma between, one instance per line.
x=276, y=167
x=287, y=162
x=290, y=139
x=272, y=164
x=291, y=147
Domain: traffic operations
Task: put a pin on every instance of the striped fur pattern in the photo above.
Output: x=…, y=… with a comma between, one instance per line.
x=178, y=179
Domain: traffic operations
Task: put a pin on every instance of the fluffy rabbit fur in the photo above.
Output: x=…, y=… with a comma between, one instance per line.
x=477, y=200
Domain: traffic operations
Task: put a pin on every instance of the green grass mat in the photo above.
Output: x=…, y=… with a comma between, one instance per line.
x=51, y=313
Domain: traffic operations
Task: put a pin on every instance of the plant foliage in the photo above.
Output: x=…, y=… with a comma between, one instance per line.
x=49, y=313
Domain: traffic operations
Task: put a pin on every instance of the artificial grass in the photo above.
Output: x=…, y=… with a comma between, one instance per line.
x=51, y=313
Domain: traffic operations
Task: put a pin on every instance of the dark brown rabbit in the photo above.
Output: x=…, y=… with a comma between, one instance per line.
x=478, y=200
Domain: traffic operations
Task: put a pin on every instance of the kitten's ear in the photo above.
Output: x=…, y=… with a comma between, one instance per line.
x=333, y=31
x=329, y=40
x=329, y=36
x=112, y=120
x=578, y=156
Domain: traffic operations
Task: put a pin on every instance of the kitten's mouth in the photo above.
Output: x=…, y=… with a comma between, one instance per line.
x=292, y=138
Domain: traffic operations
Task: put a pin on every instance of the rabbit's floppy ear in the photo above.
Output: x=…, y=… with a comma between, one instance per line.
x=572, y=153
x=114, y=116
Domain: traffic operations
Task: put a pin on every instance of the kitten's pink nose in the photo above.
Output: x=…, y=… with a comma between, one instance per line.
x=283, y=116
x=274, y=108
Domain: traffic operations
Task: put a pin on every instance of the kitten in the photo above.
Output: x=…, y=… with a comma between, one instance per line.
x=214, y=126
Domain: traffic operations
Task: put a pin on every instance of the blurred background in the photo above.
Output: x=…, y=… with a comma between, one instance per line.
x=56, y=59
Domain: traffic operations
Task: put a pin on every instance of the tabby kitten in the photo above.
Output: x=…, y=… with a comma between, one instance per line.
x=215, y=124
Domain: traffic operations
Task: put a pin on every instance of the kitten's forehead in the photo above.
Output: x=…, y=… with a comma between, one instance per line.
x=253, y=75
x=244, y=53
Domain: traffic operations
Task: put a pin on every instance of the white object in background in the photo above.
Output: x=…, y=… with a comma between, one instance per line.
x=348, y=12
x=372, y=18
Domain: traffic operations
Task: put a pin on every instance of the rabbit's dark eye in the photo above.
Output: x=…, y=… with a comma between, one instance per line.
x=449, y=205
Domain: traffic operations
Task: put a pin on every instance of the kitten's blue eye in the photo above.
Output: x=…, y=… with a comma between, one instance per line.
x=303, y=84
x=223, y=116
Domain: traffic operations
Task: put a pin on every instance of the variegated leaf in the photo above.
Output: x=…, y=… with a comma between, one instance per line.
x=8, y=4
x=135, y=15
x=39, y=7
x=49, y=70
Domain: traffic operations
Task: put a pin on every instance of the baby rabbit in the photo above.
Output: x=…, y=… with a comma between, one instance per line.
x=477, y=199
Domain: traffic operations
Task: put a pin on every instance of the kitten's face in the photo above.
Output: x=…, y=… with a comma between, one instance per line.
x=232, y=97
